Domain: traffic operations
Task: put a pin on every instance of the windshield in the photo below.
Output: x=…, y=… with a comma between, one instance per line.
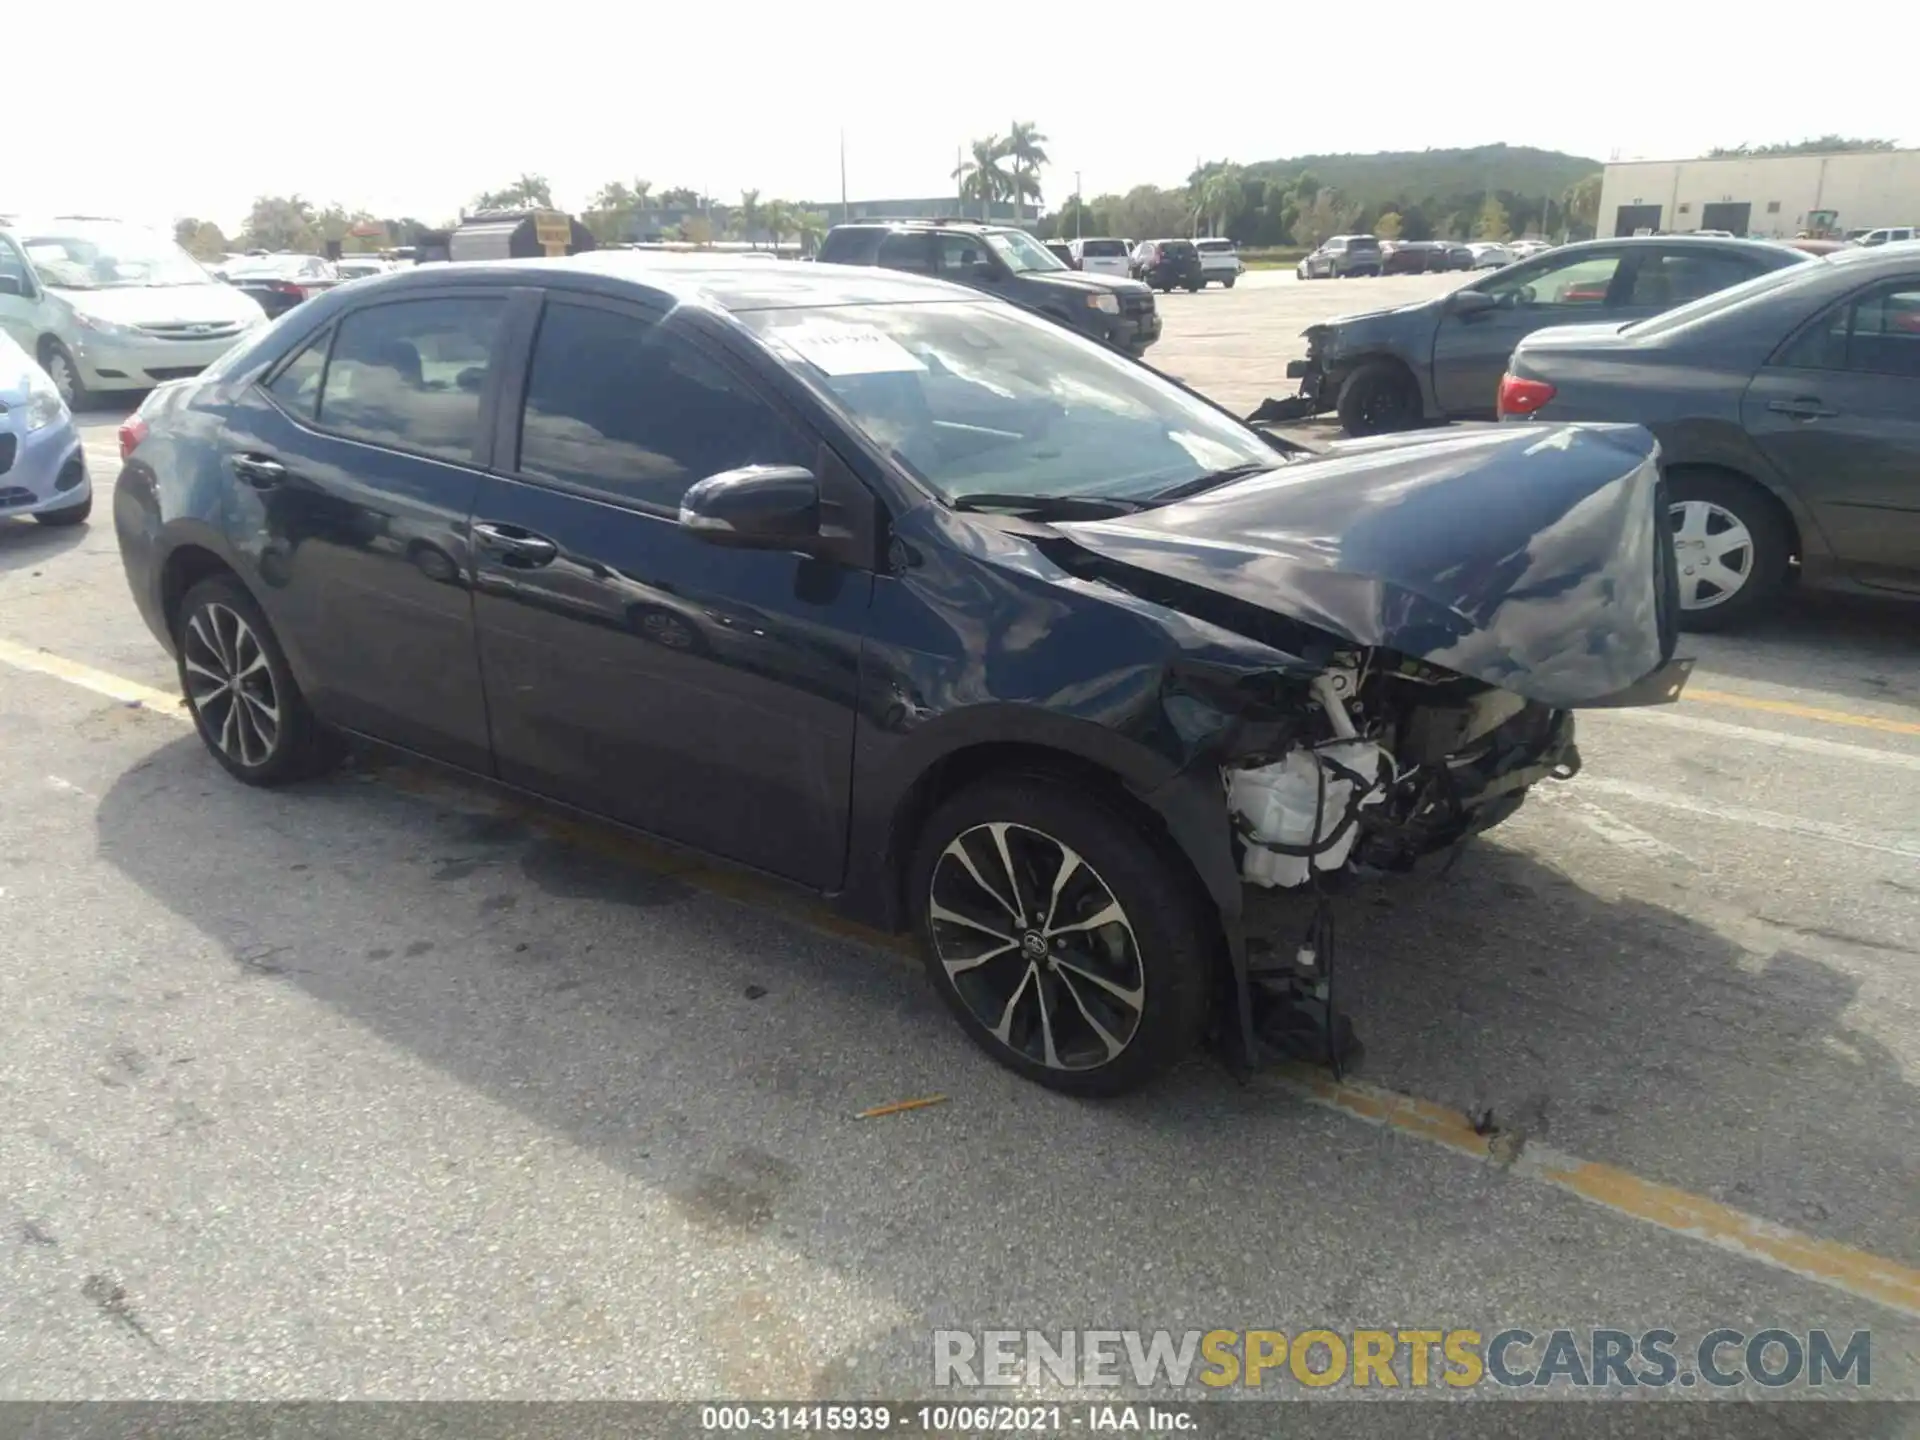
x=275, y=265
x=1724, y=299
x=109, y=257
x=1022, y=252
x=976, y=397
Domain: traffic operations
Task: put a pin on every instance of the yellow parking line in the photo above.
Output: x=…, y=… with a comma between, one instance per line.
x=1804, y=712
x=1840, y=1267
x=127, y=692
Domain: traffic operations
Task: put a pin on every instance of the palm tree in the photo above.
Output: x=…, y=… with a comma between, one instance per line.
x=1219, y=199
x=981, y=177
x=811, y=227
x=1025, y=146
x=752, y=216
x=778, y=219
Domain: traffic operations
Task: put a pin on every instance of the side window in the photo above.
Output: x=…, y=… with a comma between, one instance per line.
x=1667, y=279
x=1574, y=283
x=409, y=374
x=297, y=386
x=1875, y=334
x=13, y=266
x=960, y=253
x=624, y=405
x=907, y=252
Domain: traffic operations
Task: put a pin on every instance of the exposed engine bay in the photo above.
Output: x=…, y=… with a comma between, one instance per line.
x=1407, y=759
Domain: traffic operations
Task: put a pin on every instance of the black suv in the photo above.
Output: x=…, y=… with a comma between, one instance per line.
x=1164, y=264
x=1008, y=263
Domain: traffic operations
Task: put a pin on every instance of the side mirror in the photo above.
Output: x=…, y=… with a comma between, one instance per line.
x=1471, y=302
x=757, y=507
x=10, y=285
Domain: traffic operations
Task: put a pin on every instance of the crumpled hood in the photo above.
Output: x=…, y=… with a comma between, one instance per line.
x=211, y=303
x=1371, y=319
x=1525, y=556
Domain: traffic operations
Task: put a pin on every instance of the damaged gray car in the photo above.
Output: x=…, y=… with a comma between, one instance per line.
x=977, y=627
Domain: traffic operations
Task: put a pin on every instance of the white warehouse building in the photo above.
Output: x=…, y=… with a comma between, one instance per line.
x=1774, y=196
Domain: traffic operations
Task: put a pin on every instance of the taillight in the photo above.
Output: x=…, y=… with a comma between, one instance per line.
x=132, y=432
x=1520, y=396
x=287, y=287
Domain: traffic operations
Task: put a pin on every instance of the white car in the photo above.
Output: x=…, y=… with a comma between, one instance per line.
x=1099, y=255
x=1887, y=235
x=1527, y=249
x=1219, y=261
x=107, y=306
x=1489, y=255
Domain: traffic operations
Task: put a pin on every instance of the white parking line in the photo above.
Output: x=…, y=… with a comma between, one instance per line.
x=1885, y=842
x=127, y=692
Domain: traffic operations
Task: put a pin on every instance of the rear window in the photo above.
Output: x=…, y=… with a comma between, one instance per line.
x=1178, y=248
x=1214, y=247
x=1363, y=242
x=1103, y=247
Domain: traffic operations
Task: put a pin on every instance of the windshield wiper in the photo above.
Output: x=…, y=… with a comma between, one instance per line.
x=1053, y=507
x=1215, y=478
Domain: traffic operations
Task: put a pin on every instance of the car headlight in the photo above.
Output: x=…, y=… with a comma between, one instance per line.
x=1106, y=304
x=44, y=405
x=104, y=329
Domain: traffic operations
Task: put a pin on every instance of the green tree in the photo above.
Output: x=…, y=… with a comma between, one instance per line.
x=1492, y=224
x=1325, y=216
x=1582, y=202
x=528, y=192
x=1389, y=225
x=1025, y=146
x=811, y=228
x=777, y=218
x=281, y=222
x=201, y=239
x=679, y=197
x=697, y=230
x=752, y=217
x=1218, y=199
x=1824, y=145
x=982, y=177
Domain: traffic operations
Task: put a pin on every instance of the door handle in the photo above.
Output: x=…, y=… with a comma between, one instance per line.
x=262, y=472
x=515, y=546
x=1802, y=407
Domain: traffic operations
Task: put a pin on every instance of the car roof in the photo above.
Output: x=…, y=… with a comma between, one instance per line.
x=719, y=281
x=957, y=223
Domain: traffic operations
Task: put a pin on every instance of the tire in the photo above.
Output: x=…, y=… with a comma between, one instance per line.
x=67, y=514
x=1708, y=510
x=1194, y=287
x=275, y=738
x=65, y=375
x=1227, y=284
x=1379, y=398
x=1063, y=1031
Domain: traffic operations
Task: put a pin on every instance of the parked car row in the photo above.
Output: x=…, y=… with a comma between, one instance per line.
x=1021, y=645
x=1346, y=255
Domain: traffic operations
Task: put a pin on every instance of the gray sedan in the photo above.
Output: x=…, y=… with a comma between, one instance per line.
x=1788, y=413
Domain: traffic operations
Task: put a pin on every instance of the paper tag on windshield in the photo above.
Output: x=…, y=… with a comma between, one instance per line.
x=851, y=350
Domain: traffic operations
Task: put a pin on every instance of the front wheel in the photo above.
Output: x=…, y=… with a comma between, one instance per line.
x=1068, y=944
x=1729, y=545
x=1379, y=399
x=65, y=374
x=1227, y=284
x=241, y=692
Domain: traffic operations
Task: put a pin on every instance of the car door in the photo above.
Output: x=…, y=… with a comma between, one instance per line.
x=1837, y=411
x=703, y=693
x=1471, y=347
x=910, y=250
x=20, y=298
x=354, y=468
x=969, y=260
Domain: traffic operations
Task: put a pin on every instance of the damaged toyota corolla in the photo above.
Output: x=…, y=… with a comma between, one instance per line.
x=907, y=597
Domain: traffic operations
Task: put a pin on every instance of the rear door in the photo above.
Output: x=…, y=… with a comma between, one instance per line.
x=701, y=693
x=1838, y=412
x=1470, y=351
x=357, y=463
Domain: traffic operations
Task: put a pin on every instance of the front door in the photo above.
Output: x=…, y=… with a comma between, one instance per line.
x=701, y=693
x=1471, y=350
x=356, y=465
x=1838, y=412
x=967, y=260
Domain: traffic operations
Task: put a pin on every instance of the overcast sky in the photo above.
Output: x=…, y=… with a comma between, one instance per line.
x=411, y=108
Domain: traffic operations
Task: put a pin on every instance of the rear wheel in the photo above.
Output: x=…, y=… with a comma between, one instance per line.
x=1379, y=398
x=245, y=704
x=1064, y=939
x=1227, y=284
x=1730, y=547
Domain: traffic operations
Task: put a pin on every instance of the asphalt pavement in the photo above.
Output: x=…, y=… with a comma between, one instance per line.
x=382, y=1087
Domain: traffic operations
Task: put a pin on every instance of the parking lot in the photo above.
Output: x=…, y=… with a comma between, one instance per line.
x=387, y=1087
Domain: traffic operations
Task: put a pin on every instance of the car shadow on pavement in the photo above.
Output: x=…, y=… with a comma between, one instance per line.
x=718, y=1052
x=25, y=544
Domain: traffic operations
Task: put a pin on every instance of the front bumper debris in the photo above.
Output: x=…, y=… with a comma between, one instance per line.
x=1311, y=400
